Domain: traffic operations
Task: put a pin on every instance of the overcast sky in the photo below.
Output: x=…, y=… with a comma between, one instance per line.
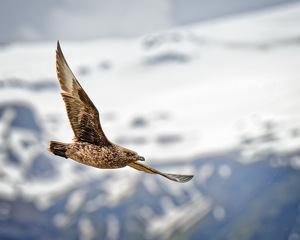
x=34, y=20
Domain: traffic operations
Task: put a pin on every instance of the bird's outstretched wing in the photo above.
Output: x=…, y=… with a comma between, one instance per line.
x=82, y=114
x=174, y=177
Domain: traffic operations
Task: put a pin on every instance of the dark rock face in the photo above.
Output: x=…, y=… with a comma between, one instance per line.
x=16, y=83
x=24, y=116
x=167, y=57
x=42, y=168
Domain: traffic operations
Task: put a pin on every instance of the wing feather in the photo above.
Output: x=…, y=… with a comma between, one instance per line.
x=174, y=177
x=82, y=113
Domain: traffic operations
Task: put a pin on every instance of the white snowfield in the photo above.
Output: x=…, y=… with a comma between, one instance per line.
x=240, y=72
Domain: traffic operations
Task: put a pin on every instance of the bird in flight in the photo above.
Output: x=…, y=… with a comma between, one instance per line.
x=90, y=146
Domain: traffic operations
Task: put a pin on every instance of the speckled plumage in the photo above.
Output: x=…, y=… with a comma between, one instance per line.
x=90, y=145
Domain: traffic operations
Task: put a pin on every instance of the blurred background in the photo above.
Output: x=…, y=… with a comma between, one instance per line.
x=209, y=88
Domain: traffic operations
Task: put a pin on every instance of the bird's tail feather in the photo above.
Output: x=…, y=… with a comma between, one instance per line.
x=174, y=177
x=58, y=148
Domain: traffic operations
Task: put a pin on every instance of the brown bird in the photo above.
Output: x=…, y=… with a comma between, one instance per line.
x=90, y=145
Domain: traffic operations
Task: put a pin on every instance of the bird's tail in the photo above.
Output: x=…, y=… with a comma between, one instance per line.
x=174, y=177
x=58, y=148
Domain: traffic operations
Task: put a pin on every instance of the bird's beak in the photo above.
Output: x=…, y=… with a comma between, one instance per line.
x=140, y=158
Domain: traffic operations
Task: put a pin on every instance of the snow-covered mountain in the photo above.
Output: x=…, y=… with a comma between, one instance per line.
x=218, y=99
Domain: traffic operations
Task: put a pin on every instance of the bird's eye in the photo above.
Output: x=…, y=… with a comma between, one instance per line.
x=130, y=154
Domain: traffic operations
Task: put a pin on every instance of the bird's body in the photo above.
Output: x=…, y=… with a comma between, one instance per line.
x=111, y=156
x=90, y=145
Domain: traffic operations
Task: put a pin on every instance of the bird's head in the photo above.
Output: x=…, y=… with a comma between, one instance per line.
x=130, y=155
